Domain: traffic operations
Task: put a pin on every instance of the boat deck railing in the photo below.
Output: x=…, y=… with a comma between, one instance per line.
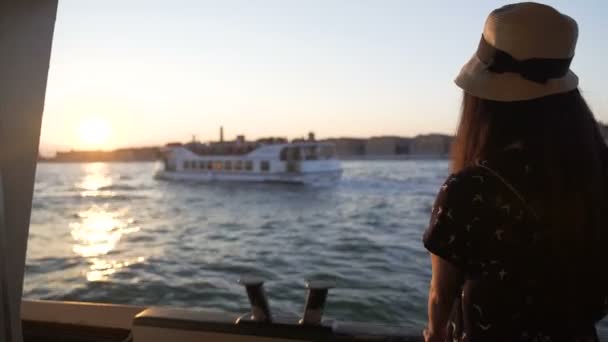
x=92, y=322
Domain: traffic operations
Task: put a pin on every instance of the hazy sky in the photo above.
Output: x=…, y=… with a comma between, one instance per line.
x=127, y=73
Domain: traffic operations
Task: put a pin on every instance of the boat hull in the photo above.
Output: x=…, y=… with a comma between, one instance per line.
x=321, y=178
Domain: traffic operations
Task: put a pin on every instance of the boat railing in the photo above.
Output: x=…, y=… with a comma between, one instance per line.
x=80, y=322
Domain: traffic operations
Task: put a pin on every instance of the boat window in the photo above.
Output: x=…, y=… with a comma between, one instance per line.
x=284, y=152
x=238, y=165
x=265, y=165
x=248, y=165
x=209, y=165
x=201, y=164
x=169, y=165
x=228, y=165
x=217, y=165
x=186, y=164
x=310, y=153
x=327, y=152
x=297, y=153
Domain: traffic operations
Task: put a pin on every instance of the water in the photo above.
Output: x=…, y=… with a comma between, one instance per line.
x=109, y=232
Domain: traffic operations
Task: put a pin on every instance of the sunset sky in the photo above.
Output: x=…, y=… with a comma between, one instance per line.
x=134, y=73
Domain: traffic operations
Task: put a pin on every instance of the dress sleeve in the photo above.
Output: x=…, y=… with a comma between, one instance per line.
x=461, y=217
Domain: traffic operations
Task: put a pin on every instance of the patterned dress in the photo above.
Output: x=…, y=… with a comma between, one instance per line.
x=482, y=224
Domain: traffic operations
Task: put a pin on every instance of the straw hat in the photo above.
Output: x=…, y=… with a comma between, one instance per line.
x=524, y=53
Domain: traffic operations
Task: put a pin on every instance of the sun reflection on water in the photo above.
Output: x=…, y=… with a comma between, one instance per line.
x=96, y=235
x=99, y=229
x=96, y=180
x=101, y=269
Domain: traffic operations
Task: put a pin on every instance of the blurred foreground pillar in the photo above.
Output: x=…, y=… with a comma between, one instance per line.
x=26, y=33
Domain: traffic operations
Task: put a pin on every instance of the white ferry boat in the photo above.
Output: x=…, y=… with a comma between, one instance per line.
x=304, y=162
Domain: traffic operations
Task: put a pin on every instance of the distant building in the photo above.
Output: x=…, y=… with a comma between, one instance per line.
x=348, y=147
x=387, y=146
x=272, y=140
x=136, y=154
x=431, y=145
x=123, y=154
x=76, y=156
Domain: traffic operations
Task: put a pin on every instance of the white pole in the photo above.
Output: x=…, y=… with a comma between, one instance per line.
x=26, y=33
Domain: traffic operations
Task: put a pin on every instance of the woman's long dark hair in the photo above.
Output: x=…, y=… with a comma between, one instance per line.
x=561, y=135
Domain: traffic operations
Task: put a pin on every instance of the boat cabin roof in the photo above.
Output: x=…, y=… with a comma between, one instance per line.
x=257, y=150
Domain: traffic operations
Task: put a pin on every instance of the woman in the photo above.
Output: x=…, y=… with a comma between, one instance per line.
x=518, y=233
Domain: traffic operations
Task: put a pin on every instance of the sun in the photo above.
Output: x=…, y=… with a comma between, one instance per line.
x=94, y=132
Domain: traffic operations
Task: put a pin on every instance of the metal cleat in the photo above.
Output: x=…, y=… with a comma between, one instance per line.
x=315, y=301
x=260, y=310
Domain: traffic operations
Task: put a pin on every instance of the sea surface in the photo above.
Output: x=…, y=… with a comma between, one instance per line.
x=110, y=232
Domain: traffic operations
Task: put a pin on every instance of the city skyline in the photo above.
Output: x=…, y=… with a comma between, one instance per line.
x=228, y=138
x=144, y=73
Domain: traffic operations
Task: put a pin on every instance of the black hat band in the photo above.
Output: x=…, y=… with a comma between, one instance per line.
x=538, y=70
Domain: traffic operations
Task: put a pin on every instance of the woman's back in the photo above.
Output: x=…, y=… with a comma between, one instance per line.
x=483, y=223
x=519, y=231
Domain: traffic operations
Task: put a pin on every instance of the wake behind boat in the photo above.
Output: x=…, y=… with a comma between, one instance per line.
x=267, y=160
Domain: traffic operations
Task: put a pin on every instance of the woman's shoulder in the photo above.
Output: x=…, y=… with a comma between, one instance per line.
x=484, y=188
x=470, y=189
x=463, y=211
x=468, y=174
x=508, y=164
x=512, y=170
x=467, y=180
